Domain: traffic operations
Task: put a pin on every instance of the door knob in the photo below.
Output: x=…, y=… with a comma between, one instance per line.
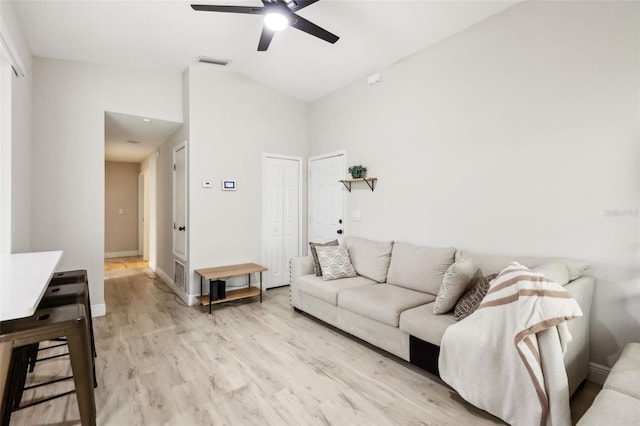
x=182, y=228
x=339, y=231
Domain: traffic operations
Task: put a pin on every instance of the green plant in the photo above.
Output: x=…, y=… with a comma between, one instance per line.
x=357, y=171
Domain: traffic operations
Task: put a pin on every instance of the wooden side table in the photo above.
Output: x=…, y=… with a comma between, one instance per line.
x=214, y=276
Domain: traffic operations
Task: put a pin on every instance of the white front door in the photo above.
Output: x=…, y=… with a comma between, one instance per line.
x=180, y=202
x=281, y=201
x=326, y=197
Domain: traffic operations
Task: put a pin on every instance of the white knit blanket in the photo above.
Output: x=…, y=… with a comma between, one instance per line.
x=507, y=357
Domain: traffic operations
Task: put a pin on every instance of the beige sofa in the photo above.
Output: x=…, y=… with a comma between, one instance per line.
x=618, y=403
x=390, y=303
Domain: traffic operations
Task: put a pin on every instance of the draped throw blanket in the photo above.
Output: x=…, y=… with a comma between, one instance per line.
x=507, y=357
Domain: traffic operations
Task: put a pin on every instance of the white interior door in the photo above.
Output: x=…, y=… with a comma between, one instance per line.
x=326, y=197
x=180, y=203
x=282, y=217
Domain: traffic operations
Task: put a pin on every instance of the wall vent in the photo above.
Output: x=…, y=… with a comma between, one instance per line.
x=179, y=275
x=213, y=61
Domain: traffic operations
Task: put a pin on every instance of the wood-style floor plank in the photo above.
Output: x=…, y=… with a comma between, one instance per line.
x=162, y=363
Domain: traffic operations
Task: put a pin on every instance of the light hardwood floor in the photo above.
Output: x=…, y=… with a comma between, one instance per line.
x=162, y=363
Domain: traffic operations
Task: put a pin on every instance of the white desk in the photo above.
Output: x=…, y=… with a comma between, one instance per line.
x=23, y=281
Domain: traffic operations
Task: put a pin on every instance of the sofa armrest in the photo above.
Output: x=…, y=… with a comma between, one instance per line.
x=298, y=266
x=577, y=357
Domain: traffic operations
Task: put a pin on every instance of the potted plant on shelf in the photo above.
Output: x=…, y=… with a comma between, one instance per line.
x=358, y=171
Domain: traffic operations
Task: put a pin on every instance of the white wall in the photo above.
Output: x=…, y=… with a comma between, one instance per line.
x=70, y=99
x=232, y=122
x=517, y=136
x=17, y=192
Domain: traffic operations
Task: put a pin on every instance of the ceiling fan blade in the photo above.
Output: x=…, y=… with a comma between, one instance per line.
x=230, y=9
x=311, y=28
x=265, y=39
x=300, y=4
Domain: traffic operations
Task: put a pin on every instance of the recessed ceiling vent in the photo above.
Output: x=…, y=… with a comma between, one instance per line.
x=133, y=142
x=213, y=61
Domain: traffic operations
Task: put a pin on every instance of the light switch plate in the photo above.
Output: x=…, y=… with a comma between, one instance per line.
x=356, y=215
x=206, y=184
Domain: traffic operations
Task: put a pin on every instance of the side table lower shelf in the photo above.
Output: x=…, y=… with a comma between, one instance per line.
x=242, y=293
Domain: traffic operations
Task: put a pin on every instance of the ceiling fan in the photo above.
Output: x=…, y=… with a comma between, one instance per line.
x=278, y=14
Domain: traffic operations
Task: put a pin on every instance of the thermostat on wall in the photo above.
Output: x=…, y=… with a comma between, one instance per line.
x=228, y=185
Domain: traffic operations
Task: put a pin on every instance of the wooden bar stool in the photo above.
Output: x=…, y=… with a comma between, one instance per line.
x=68, y=321
x=67, y=294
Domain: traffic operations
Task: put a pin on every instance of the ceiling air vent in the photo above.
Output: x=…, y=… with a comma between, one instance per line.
x=214, y=61
x=133, y=142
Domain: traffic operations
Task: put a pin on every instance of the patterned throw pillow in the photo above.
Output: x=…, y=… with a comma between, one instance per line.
x=314, y=254
x=471, y=299
x=335, y=262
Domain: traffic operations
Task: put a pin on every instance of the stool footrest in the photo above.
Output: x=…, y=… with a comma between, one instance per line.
x=47, y=399
x=52, y=346
x=61, y=379
x=52, y=357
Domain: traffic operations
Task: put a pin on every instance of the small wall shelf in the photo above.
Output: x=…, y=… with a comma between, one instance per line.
x=371, y=182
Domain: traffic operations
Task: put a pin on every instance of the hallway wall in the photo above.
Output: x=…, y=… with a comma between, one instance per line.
x=121, y=209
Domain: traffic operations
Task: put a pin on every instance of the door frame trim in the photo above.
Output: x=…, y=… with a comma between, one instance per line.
x=343, y=153
x=264, y=203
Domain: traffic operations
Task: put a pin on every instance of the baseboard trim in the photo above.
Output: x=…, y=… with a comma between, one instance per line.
x=98, y=310
x=598, y=373
x=189, y=299
x=129, y=253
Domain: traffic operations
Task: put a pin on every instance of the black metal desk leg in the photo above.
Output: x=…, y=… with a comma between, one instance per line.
x=210, y=292
x=260, y=286
x=201, y=286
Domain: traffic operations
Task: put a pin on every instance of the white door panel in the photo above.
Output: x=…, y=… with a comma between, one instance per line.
x=326, y=195
x=282, y=221
x=180, y=203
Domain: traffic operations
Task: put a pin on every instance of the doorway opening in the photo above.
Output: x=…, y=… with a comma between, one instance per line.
x=131, y=151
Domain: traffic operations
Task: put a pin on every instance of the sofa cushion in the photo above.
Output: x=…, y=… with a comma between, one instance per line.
x=381, y=302
x=555, y=271
x=493, y=264
x=625, y=374
x=316, y=263
x=455, y=282
x=370, y=258
x=422, y=323
x=328, y=290
x=335, y=263
x=612, y=408
x=419, y=268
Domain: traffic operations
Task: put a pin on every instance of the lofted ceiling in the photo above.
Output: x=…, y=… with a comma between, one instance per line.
x=167, y=35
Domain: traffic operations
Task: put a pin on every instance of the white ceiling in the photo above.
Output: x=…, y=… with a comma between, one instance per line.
x=168, y=35
x=120, y=129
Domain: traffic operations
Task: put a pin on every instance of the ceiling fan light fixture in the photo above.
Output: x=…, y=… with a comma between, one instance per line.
x=275, y=21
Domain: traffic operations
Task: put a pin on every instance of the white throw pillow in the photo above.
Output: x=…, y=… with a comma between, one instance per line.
x=454, y=284
x=335, y=262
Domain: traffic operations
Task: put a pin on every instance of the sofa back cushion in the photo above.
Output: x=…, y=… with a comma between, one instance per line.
x=419, y=268
x=492, y=264
x=370, y=258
